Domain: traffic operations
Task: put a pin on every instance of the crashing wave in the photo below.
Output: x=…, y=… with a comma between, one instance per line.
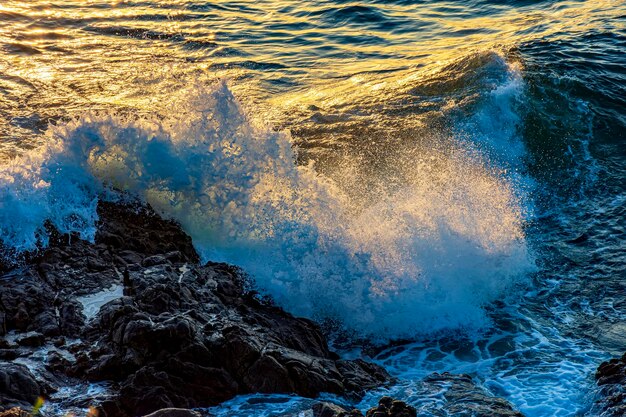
x=426, y=257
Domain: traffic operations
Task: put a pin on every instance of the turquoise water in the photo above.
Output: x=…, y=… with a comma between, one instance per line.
x=450, y=173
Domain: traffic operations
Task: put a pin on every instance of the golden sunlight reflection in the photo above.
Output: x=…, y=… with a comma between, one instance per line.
x=283, y=58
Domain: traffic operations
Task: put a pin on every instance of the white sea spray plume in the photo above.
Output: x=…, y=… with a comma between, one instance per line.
x=424, y=258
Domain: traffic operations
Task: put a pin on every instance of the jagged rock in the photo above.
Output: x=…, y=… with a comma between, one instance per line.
x=465, y=399
x=40, y=296
x=202, y=340
x=611, y=378
x=174, y=412
x=333, y=410
x=462, y=398
x=18, y=386
x=32, y=339
x=388, y=407
x=3, y=323
x=612, y=372
x=139, y=229
x=183, y=335
x=14, y=412
x=9, y=354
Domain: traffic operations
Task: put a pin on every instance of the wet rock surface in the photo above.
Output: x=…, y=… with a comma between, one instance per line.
x=388, y=407
x=136, y=322
x=19, y=387
x=463, y=398
x=333, y=410
x=181, y=335
x=456, y=395
x=611, y=379
x=14, y=412
x=174, y=412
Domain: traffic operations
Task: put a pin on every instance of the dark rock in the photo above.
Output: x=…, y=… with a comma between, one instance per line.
x=328, y=410
x=612, y=372
x=385, y=402
x=201, y=341
x=139, y=229
x=3, y=323
x=129, y=288
x=176, y=384
x=360, y=376
x=462, y=398
x=59, y=342
x=268, y=375
x=183, y=335
x=18, y=386
x=611, y=378
x=8, y=354
x=154, y=260
x=174, y=412
x=465, y=399
x=388, y=407
x=32, y=339
x=40, y=296
x=57, y=362
x=21, y=318
x=70, y=317
x=14, y=412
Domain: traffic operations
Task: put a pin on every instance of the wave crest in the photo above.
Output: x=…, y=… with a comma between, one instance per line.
x=427, y=256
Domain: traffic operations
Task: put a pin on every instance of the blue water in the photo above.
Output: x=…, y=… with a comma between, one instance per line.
x=451, y=173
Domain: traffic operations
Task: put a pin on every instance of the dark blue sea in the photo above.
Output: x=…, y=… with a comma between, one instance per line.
x=447, y=173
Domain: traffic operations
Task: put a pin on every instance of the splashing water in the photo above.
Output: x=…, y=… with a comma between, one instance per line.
x=423, y=258
x=428, y=146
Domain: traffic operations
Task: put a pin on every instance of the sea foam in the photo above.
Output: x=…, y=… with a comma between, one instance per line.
x=424, y=257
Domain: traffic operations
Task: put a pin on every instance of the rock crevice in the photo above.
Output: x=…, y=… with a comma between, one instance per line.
x=182, y=334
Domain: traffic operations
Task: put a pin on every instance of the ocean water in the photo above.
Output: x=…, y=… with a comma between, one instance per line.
x=450, y=173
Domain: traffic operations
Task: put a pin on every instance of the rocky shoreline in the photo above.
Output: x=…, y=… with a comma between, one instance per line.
x=181, y=334
x=137, y=322
x=611, y=379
